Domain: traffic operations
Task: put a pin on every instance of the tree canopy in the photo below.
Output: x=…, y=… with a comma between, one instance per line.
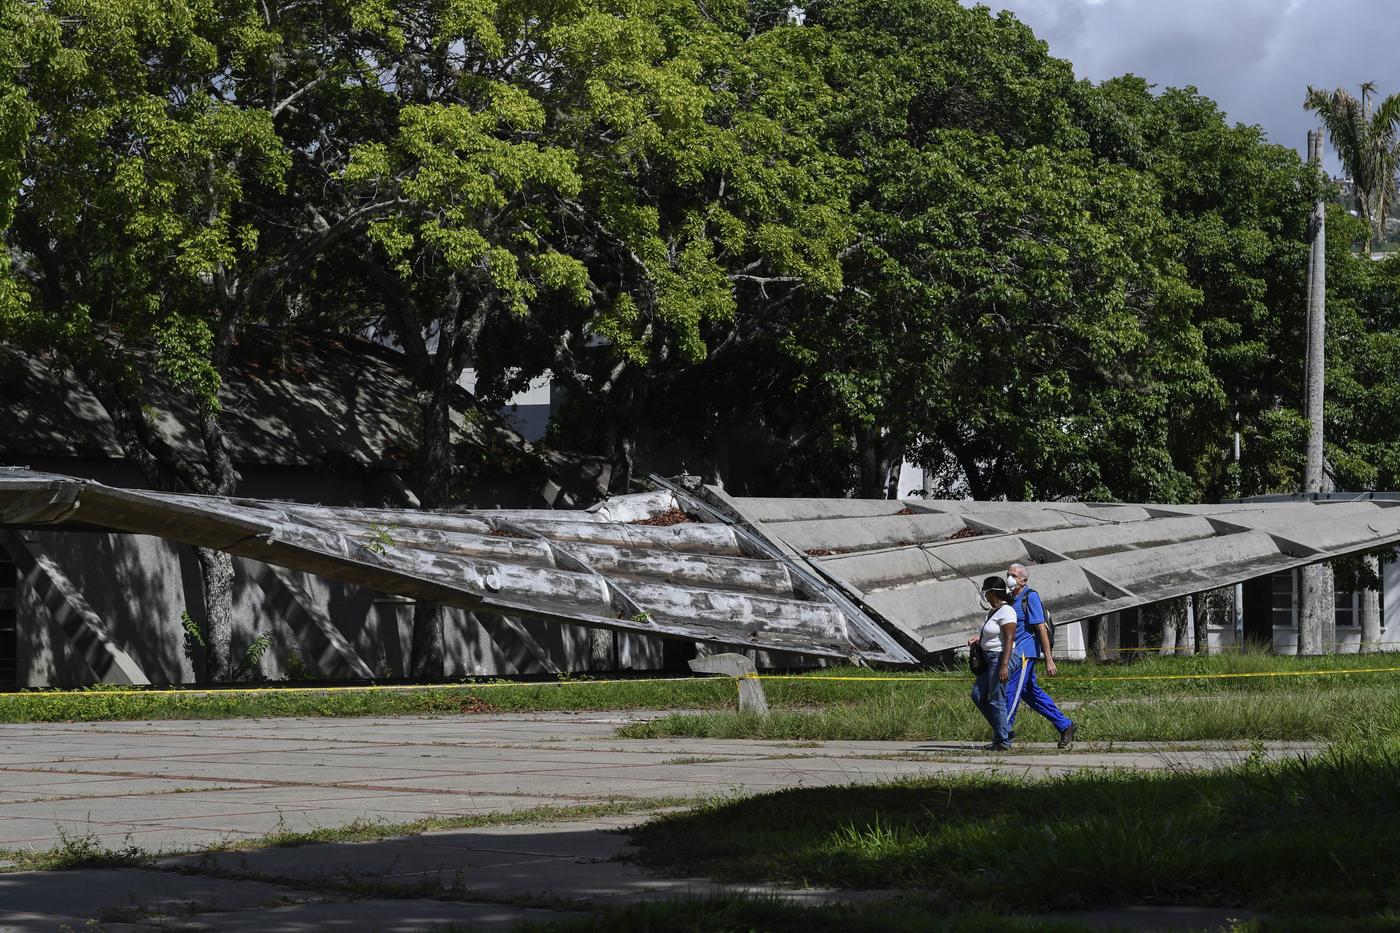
x=787, y=249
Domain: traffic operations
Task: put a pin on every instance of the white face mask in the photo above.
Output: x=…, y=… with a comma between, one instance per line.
x=1012, y=582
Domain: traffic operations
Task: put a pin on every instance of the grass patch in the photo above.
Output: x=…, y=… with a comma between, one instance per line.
x=1078, y=681
x=1303, y=837
x=88, y=852
x=135, y=704
x=1309, y=713
x=73, y=852
x=1156, y=699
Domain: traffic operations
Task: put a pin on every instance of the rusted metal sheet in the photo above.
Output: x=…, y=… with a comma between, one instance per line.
x=870, y=580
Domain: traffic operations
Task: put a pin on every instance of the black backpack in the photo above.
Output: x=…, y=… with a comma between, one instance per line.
x=1049, y=622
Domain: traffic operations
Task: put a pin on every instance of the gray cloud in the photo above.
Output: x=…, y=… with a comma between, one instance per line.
x=1255, y=57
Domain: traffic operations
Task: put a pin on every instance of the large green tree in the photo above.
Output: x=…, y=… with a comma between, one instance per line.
x=584, y=186
x=1238, y=207
x=155, y=217
x=1014, y=309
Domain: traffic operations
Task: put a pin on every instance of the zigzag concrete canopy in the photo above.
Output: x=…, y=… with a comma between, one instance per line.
x=875, y=580
x=916, y=565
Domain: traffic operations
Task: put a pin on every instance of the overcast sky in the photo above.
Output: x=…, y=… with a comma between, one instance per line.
x=1255, y=57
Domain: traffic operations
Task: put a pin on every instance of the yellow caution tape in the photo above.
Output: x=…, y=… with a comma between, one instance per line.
x=1096, y=677
x=808, y=678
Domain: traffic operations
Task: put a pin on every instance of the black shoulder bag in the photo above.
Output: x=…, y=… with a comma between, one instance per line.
x=976, y=657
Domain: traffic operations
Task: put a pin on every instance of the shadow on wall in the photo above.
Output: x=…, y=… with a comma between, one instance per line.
x=315, y=629
x=135, y=585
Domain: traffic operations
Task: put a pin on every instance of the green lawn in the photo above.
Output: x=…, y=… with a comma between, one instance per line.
x=881, y=699
x=1230, y=697
x=1311, y=838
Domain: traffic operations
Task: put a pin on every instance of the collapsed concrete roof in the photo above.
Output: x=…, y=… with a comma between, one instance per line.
x=916, y=565
x=880, y=581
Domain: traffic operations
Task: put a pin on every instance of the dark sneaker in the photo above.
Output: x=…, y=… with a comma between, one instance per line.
x=1067, y=737
x=997, y=747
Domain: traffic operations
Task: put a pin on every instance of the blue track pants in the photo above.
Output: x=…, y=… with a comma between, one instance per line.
x=1032, y=697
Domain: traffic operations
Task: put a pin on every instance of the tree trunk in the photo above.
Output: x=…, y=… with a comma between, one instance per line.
x=1167, y=620
x=1097, y=637
x=1201, y=606
x=1216, y=608
x=1371, y=610
x=427, y=648
x=1316, y=597
x=1170, y=615
x=602, y=648
x=216, y=572
x=879, y=457
x=1317, y=602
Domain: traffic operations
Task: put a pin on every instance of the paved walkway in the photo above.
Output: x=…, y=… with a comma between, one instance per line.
x=189, y=786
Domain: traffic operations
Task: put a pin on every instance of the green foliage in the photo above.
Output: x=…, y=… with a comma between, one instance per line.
x=882, y=229
x=1058, y=290
x=379, y=539
x=135, y=167
x=193, y=631
x=253, y=656
x=1366, y=136
x=297, y=670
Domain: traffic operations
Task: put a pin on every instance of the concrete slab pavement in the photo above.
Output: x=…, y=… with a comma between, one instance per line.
x=190, y=786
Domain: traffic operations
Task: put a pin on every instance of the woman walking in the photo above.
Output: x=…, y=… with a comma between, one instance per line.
x=1002, y=663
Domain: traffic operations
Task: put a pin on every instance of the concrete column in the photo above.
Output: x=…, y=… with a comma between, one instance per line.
x=1316, y=593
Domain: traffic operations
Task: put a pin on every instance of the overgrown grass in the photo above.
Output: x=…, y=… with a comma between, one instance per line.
x=1226, y=697
x=817, y=689
x=1300, y=837
x=1309, y=712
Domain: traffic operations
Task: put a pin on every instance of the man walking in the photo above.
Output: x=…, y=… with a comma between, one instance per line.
x=1033, y=643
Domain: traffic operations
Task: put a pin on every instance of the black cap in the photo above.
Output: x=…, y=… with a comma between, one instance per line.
x=994, y=583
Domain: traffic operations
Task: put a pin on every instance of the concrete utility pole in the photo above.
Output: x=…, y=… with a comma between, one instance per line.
x=1316, y=597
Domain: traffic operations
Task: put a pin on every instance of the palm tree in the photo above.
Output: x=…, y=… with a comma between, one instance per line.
x=1367, y=139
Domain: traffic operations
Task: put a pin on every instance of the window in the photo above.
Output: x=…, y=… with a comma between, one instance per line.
x=1284, y=597
x=1348, y=608
x=9, y=641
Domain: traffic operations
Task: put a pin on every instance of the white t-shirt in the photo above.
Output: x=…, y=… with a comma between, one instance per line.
x=991, y=629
